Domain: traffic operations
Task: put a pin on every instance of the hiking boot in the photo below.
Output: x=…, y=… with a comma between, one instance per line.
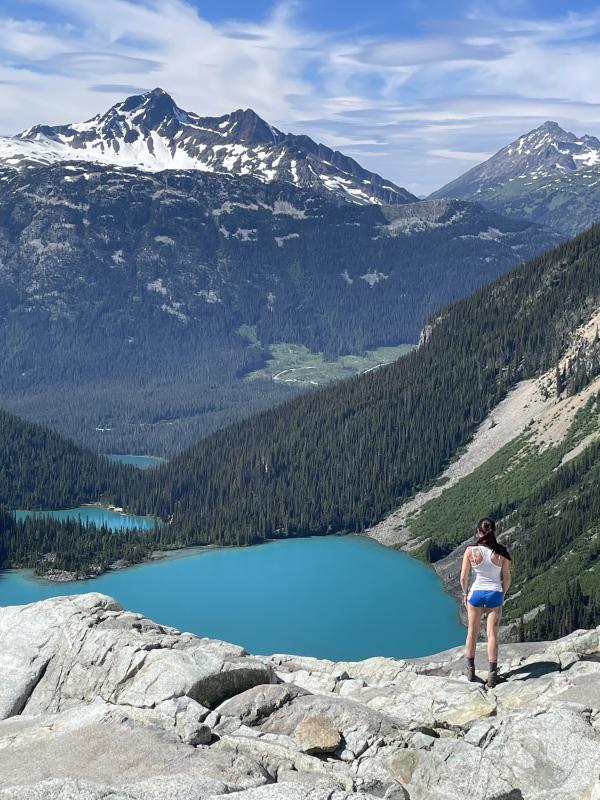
x=469, y=671
x=492, y=679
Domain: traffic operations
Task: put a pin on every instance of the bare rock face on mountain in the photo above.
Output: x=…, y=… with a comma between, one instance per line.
x=150, y=132
x=98, y=702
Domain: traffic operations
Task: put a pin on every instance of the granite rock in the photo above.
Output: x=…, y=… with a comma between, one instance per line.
x=99, y=703
x=87, y=646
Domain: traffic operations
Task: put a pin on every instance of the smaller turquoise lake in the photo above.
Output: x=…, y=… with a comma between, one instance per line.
x=342, y=598
x=95, y=515
x=141, y=462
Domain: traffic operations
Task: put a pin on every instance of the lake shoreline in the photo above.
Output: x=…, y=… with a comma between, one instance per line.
x=96, y=571
x=343, y=597
x=142, y=462
x=66, y=577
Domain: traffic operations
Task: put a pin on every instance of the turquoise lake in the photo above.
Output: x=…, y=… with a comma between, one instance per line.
x=94, y=515
x=331, y=597
x=142, y=462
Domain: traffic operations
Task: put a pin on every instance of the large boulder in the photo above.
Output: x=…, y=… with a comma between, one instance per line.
x=257, y=704
x=318, y=735
x=62, y=652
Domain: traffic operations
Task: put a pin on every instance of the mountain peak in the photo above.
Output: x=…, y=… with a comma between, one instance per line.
x=149, y=131
x=252, y=128
x=526, y=175
x=153, y=108
x=551, y=127
x=156, y=95
x=246, y=113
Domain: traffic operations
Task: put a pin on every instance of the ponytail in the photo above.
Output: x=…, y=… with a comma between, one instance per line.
x=486, y=531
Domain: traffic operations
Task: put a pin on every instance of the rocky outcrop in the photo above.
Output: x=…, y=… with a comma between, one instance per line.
x=100, y=703
x=82, y=648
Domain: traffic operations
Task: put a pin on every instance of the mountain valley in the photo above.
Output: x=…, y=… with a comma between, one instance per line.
x=150, y=308
x=340, y=459
x=298, y=302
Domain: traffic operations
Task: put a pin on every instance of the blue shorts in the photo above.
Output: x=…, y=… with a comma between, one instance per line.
x=485, y=597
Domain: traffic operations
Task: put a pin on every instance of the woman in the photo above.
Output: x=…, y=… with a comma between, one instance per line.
x=490, y=561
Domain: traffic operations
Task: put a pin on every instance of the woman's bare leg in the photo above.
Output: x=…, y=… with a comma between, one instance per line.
x=493, y=623
x=474, y=614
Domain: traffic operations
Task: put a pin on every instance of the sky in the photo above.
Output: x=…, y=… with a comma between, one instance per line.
x=419, y=91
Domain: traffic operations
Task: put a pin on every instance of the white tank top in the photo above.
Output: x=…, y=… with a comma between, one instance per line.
x=487, y=574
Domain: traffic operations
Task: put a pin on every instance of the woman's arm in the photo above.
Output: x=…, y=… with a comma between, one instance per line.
x=506, y=576
x=464, y=575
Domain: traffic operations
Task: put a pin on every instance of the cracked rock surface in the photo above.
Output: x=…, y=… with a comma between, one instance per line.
x=99, y=703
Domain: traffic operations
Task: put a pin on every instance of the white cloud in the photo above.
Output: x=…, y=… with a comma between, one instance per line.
x=89, y=65
x=459, y=155
x=426, y=50
x=46, y=70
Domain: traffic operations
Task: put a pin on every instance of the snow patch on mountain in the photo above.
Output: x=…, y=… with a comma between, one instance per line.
x=282, y=239
x=150, y=132
x=156, y=286
x=546, y=151
x=373, y=277
x=290, y=210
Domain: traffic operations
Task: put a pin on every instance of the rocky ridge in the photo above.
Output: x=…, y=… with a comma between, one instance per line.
x=97, y=702
x=150, y=132
x=549, y=175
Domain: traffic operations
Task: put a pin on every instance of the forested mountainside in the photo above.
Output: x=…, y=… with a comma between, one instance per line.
x=41, y=469
x=534, y=465
x=546, y=498
x=549, y=175
x=339, y=458
x=122, y=289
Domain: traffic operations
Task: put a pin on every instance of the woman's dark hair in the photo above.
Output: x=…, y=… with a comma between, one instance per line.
x=486, y=530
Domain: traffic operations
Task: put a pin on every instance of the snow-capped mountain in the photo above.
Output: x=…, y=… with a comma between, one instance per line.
x=150, y=132
x=548, y=175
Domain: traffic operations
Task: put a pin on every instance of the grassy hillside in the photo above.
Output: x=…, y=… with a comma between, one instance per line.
x=294, y=363
x=497, y=488
x=545, y=499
